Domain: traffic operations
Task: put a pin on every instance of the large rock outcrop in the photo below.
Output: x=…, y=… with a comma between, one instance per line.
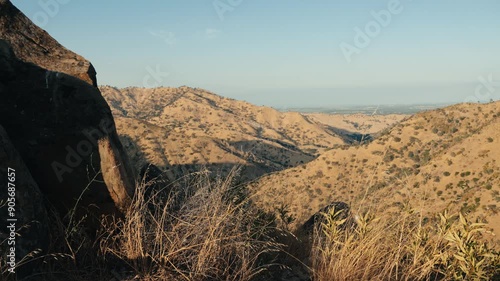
x=58, y=120
x=33, y=44
x=338, y=210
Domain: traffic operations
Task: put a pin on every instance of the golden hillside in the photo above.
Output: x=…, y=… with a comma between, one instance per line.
x=446, y=158
x=182, y=128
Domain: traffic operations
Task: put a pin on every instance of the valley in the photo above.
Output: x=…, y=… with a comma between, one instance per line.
x=435, y=160
x=307, y=160
x=181, y=130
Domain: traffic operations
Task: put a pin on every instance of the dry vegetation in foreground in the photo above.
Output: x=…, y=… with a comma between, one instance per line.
x=207, y=231
x=210, y=230
x=448, y=248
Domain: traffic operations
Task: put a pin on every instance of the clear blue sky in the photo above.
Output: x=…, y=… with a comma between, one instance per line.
x=286, y=53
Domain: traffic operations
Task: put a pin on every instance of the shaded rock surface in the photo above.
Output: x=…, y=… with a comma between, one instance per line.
x=33, y=44
x=58, y=120
x=340, y=209
x=29, y=211
x=65, y=133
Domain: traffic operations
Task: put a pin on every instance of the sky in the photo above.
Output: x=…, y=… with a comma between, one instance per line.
x=293, y=53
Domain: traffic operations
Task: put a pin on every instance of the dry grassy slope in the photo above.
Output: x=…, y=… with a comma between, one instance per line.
x=181, y=127
x=446, y=158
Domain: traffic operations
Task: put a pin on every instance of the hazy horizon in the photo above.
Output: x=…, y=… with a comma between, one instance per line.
x=298, y=54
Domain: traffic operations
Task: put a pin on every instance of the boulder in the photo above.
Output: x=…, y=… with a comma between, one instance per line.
x=28, y=216
x=33, y=44
x=59, y=122
x=340, y=209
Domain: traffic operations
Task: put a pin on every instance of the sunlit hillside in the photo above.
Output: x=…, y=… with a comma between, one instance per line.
x=436, y=160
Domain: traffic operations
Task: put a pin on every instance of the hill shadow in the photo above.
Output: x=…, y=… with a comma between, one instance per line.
x=351, y=137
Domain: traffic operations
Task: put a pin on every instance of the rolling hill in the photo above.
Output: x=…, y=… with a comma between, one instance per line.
x=181, y=129
x=435, y=160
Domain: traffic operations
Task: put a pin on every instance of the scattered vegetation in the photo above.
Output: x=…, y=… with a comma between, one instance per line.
x=410, y=248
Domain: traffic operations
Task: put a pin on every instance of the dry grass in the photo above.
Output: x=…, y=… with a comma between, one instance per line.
x=207, y=231
x=71, y=255
x=204, y=230
x=210, y=230
x=448, y=248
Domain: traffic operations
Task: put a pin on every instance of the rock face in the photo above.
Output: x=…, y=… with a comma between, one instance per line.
x=58, y=120
x=33, y=44
x=29, y=210
x=340, y=208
